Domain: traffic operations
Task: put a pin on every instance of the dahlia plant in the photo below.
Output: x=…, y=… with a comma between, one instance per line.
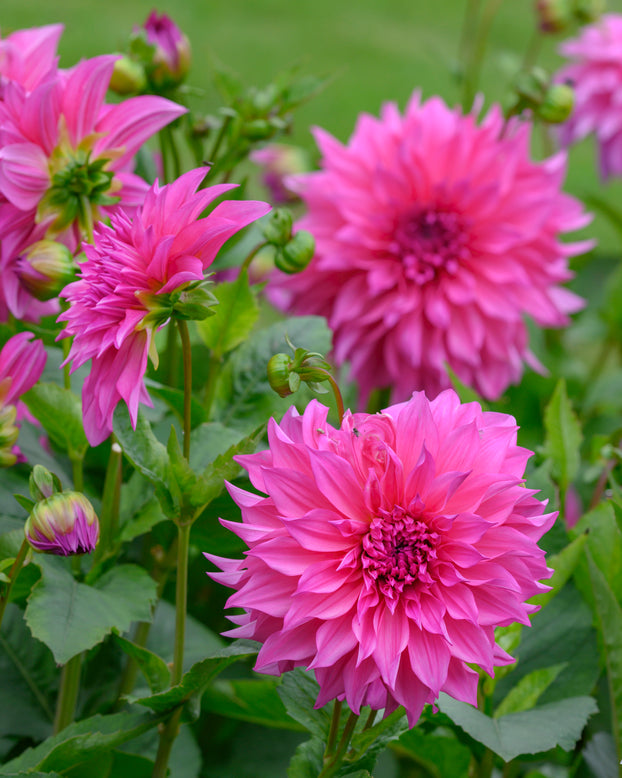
x=421, y=569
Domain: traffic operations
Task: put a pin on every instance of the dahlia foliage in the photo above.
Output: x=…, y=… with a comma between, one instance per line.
x=391, y=560
x=387, y=551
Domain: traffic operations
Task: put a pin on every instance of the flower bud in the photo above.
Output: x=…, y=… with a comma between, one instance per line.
x=557, y=104
x=279, y=374
x=297, y=254
x=43, y=484
x=587, y=11
x=63, y=524
x=171, y=56
x=128, y=77
x=45, y=268
x=553, y=15
x=8, y=435
x=277, y=229
x=257, y=129
x=278, y=161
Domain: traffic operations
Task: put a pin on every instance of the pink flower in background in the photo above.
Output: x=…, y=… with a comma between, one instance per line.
x=65, y=152
x=277, y=161
x=596, y=76
x=434, y=238
x=171, y=59
x=28, y=56
x=21, y=363
x=123, y=295
x=386, y=552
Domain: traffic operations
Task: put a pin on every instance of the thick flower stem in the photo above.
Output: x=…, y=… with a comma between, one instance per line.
x=109, y=514
x=335, y=387
x=68, y=694
x=215, y=363
x=13, y=573
x=187, y=357
x=168, y=734
x=252, y=254
x=472, y=76
x=334, y=728
x=332, y=763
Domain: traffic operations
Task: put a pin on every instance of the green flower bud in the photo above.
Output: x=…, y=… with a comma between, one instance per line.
x=557, y=104
x=279, y=374
x=63, y=524
x=587, y=11
x=257, y=129
x=553, y=15
x=128, y=77
x=45, y=269
x=277, y=229
x=296, y=255
x=9, y=432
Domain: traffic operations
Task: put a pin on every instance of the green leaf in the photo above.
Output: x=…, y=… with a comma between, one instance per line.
x=563, y=436
x=154, y=668
x=72, y=617
x=464, y=392
x=308, y=759
x=28, y=678
x=175, y=400
x=604, y=541
x=255, y=701
x=244, y=399
x=441, y=757
x=142, y=522
x=609, y=614
x=60, y=414
x=369, y=743
x=234, y=318
x=526, y=693
x=564, y=565
x=191, y=687
x=528, y=732
x=81, y=741
x=299, y=692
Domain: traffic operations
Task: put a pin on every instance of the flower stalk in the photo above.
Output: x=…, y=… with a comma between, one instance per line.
x=68, y=693
x=333, y=762
x=13, y=573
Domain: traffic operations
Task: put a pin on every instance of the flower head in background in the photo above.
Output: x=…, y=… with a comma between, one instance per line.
x=66, y=156
x=434, y=237
x=28, y=56
x=277, y=161
x=64, y=524
x=126, y=287
x=21, y=363
x=386, y=552
x=596, y=76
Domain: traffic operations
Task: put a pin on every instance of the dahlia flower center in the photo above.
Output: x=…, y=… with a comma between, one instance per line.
x=397, y=550
x=429, y=241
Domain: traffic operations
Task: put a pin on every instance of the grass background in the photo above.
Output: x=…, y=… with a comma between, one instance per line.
x=375, y=51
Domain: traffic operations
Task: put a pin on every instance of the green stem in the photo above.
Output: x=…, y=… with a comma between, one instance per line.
x=472, y=76
x=86, y=219
x=332, y=763
x=164, y=151
x=172, y=357
x=78, y=475
x=334, y=729
x=370, y=720
x=68, y=694
x=467, y=35
x=187, y=357
x=13, y=573
x=533, y=50
x=170, y=138
x=217, y=143
x=167, y=738
x=335, y=387
x=246, y=264
x=215, y=363
x=486, y=765
x=111, y=498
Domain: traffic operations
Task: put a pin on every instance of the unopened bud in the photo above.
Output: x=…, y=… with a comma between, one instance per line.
x=557, y=104
x=279, y=375
x=45, y=268
x=63, y=524
x=285, y=373
x=171, y=54
x=277, y=161
x=296, y=255
x=128, y=77
x=257, y=129
x=277, y=228
x=553, y=15
x=8, y=435
x=43, y=484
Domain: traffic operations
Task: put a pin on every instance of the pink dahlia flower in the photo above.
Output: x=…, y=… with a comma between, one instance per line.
x=28, y=56
x=171, y=58
x=596, y=76
x=64, y=524
x=386, y=552
x=124, y=291
x=434, y=237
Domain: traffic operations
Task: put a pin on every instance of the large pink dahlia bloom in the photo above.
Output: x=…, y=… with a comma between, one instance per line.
x=27, y=56
x=386, y=552
x=596, y=76
x=122, y=296
x=434, y=237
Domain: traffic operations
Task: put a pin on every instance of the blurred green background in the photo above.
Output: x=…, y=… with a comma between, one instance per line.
x=375, y=51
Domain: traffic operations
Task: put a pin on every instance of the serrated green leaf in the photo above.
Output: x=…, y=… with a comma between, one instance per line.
x=299, y=691
x=564, y=564
x=255, y=701
x=526, y=693
x=143, y=521
x=60, y=414
x=189, y=690
x=604, y=541
x=235, y=316
x=81, y=741
x=154, y=668
x=442, y=757
x=528, y=732
x=563, y=436
x=609, y=614
x=71, y=617
x=308, y=759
